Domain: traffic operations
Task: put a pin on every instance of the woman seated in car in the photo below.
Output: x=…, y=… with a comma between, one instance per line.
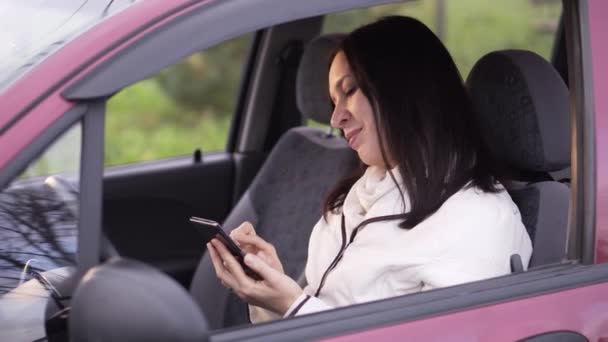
x=427, y=209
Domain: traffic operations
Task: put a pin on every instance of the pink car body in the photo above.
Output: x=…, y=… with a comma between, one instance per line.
x=34, y=102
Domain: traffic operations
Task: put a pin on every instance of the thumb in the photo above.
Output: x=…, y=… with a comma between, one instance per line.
x=261, y=267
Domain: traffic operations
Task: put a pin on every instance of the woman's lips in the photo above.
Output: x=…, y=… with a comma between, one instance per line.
x=352, y=136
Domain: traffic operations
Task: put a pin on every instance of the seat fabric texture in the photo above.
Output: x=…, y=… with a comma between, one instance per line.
x=284, y=201
x=127, y=300
x=522, y=108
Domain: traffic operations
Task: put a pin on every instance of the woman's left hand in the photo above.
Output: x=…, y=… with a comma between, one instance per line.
x=276, y=292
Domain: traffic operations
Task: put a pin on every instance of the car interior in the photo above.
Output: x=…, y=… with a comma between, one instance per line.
x=276, y=171
x=522, y=102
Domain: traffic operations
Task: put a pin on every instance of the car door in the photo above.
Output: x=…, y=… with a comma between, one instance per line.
x=564, y=302
x=560, y=299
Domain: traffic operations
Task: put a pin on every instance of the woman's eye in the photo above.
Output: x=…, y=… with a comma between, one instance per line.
x=350, y=91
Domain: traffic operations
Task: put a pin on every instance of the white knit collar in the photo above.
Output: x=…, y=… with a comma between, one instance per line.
x=369, y=191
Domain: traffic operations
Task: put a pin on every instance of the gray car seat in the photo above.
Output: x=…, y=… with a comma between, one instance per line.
x=522, y=104
x=126, y=300
x=285, y=198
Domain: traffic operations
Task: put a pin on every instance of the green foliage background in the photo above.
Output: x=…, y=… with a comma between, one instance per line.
x=189, y=105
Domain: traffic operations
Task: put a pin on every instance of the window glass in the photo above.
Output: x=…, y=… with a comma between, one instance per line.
x=184, y=107
x=38, y=233
x=57, y=22
x=470, y=28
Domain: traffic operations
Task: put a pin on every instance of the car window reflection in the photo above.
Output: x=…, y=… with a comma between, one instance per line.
x=39, y=214
x=57, y=21
x=36, y=226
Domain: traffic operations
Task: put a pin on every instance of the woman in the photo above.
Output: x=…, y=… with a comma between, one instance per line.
x=426, y=209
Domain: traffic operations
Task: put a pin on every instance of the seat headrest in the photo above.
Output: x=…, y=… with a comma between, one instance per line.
x=522, y=106
x=126, y=300
x=311, y=83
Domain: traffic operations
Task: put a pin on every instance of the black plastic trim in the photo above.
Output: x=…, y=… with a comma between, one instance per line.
x=582, y=214
x=91, y=187
x=90, y=61
x=267, y=85
x=161, y=165
x=572, y=45
x=407, y=308
x=587, y=109
x=244, y=90
x=559, y=58
x=33, y=150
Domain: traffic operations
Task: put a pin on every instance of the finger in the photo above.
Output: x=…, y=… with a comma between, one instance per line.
x=264, y=257
x=247, y=248
x=218, y=263
x=245, y=228
x=258, y=242
x=248, y=228
x=231, y=264
x=220, y=270
x=262, y=268
x=233, y=235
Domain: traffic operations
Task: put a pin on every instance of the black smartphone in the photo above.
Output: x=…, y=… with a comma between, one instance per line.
x=210, y=229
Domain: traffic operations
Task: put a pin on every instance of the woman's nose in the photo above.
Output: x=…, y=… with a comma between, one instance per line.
x=338, y=117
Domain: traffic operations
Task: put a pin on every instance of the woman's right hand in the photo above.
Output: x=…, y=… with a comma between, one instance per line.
x=246, y=237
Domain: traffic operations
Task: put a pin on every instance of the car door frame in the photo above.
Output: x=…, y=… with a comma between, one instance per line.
x=244, y=154
x=91, y=114
x=562, y=281
x=561, y=278
x=535, y=283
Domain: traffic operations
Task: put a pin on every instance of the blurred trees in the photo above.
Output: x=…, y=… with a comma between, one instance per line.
x=189, y=104
x=470, y=28
x=207, y=83
x=185, y=106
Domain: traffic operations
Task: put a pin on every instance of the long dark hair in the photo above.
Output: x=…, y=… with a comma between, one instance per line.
x=423, y=114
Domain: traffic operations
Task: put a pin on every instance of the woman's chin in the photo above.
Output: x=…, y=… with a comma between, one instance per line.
x=366, y=159
x=370, y=160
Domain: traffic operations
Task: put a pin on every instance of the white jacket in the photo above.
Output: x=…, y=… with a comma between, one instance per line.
x=470, y=237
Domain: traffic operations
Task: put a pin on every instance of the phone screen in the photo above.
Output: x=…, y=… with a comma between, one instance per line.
x=210, y=229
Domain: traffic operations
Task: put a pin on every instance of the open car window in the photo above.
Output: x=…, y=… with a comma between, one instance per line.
x=470, y=29
x=186, y=106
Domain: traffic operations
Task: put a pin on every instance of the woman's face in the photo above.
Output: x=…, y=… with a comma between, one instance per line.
x=353, y=112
